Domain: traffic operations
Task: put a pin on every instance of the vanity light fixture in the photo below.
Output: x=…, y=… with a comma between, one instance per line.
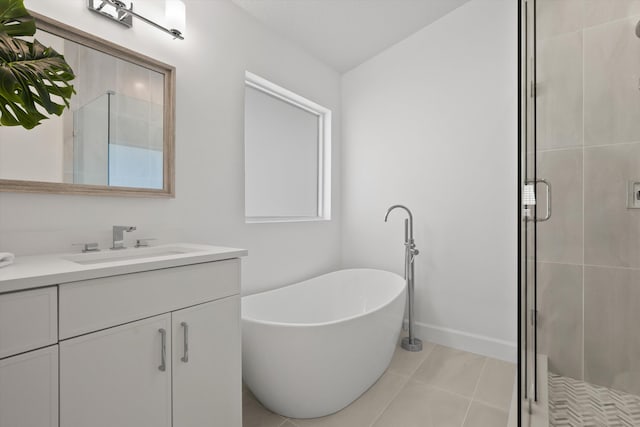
x=122, y=12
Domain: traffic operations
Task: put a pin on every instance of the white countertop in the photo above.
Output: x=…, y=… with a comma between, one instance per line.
x=52, y=269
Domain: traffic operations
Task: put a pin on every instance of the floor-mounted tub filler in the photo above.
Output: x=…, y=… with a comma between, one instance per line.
x=410, y=343
x=312, y=348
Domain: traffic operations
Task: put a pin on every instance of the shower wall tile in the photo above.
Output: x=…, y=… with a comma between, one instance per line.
x=612, y=341
x=560, y=238
x=559, y=90
x=102, y=71
x=555, y=17
x=560, y=317
x=611, y=231
x=602, y=11
x=611, y=78
x=156, y=85
x=589, y=105
x=133, y=80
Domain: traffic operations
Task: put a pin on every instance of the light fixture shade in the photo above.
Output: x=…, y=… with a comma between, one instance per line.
x=175, y=15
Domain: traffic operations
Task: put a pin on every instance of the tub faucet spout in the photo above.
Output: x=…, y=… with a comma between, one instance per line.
x=408, y=230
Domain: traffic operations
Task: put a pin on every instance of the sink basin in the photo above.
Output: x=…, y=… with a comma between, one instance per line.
x=128, y=254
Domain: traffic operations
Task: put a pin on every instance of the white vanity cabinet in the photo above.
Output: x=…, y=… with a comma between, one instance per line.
x=124, y=347
x=29, y=358
x=206, y=363
x=29, y=389
x=183, y=366
x=113, y=377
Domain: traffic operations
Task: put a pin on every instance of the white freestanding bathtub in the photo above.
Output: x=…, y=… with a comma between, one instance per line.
x=312, y=348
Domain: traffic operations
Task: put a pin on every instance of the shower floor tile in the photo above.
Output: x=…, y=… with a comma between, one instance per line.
x=414, y=392
x=575, y=403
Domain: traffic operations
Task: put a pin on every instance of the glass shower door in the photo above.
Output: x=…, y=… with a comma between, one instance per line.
x=531, y=213
x=580, y=271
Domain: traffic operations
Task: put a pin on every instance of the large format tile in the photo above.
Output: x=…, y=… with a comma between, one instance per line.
x=612, y=316
x=256, y=415
x=364, y=410
x=407, y=362
x=560, y=238
x=560, y=317
x=611, y=64
x=419, y=405
x=485, y=416
x=611, y=231
x=559, y=93
x=602, y=11
x=496, y=383
x=452, y=370
x=556, y=17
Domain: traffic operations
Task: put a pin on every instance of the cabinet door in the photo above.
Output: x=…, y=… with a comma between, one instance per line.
x=207, y=379
x=116, y=377
x=29, y=389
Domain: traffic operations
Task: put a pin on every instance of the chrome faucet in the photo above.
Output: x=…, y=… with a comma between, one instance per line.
x=410, y=343
x=118, y=235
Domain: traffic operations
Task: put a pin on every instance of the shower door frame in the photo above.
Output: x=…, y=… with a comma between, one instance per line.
x=527, y=381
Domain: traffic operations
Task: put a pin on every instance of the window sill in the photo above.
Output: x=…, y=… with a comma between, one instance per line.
x=265, y=220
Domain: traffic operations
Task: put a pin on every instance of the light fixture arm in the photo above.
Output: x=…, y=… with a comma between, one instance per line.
x=125, y=14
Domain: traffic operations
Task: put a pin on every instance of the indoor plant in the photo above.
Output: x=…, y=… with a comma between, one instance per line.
x=34, y=79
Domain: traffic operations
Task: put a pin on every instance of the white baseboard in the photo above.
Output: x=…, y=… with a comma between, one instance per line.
x=473, y=343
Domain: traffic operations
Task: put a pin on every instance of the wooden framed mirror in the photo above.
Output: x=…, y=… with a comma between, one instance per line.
x=118, y=136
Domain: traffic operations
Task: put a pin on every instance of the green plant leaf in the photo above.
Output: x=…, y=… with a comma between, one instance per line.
x=31, y=75
x=15, y=19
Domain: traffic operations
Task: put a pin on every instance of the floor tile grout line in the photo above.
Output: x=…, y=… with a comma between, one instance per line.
x=490, y=405
x=466, y=414
x=475, y=389
x=428, y=354
x=375, y=420
x=435, y=387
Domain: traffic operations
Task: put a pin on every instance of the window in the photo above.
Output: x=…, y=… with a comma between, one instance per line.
x=287, y=155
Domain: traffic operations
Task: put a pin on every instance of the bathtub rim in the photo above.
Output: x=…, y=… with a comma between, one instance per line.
x=401, y=291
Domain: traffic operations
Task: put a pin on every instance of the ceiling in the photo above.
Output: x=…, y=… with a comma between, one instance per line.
x=345, y=33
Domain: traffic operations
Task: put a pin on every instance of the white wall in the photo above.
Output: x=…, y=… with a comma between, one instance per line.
x=431, y=123
x=221, y=43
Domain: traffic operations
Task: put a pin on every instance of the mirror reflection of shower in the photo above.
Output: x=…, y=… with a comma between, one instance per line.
x=118, y=141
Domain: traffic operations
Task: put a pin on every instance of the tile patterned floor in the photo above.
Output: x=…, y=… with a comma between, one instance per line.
x=575, y=403
x=438, y=387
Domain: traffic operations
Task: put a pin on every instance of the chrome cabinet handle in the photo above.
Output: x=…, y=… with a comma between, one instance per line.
x=163, y=352
x=185, y=357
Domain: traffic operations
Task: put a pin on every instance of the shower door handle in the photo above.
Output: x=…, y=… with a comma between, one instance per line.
x=548, y=198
